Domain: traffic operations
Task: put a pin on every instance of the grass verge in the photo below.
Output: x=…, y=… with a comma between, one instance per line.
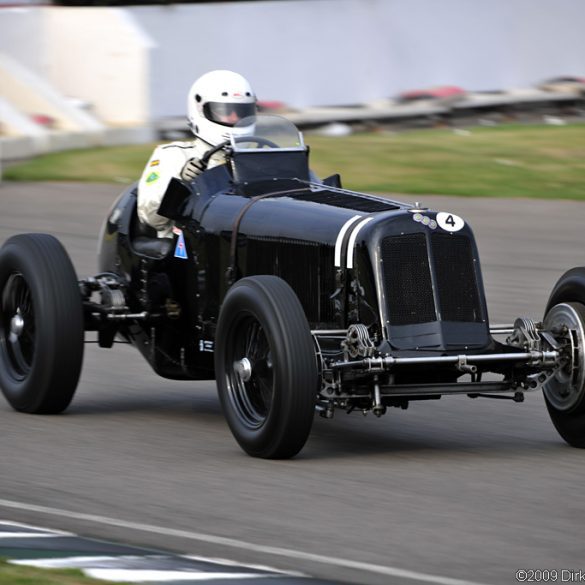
x=504, y=161
x=22, y=575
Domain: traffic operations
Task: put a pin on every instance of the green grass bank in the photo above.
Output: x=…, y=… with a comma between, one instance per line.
x=503, y=161
x=23, y=575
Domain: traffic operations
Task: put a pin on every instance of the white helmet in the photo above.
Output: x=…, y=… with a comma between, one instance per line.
x=218, y=100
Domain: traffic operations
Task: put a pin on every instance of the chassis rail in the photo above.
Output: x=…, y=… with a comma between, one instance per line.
x=440, y=389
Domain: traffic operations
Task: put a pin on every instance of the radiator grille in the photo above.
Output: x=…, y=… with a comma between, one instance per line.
x=408, y=282
x=407, y=279
x=306, y=266
x=456, y=280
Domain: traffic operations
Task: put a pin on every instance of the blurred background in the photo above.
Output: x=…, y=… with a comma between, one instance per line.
x=116, y=72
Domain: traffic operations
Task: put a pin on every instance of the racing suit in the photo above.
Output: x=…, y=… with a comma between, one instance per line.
x=166, y=162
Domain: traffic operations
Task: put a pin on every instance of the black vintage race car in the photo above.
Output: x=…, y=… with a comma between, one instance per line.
x=295, y=294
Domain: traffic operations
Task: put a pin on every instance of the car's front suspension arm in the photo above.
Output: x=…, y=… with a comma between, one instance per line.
x=380, y=364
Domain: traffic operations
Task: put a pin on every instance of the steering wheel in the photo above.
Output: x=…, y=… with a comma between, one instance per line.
x=258, y=140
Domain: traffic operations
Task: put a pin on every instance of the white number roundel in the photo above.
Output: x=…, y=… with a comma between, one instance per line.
x=449, y=222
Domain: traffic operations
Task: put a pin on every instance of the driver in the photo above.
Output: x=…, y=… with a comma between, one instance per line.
x=216, y=101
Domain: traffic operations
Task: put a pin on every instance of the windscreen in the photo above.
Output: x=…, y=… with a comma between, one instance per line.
x=265, y=132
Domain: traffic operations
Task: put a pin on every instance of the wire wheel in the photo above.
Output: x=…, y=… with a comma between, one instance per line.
x=17, y=326
x=566, y=389
x=265, y=367
x=251, y=380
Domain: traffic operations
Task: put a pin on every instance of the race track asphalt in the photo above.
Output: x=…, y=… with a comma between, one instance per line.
x=471, y=490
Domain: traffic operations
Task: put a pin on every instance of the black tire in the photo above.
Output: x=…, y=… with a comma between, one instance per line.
x=570, y=288
x=271, y=413
x=41, y=325
x=564, y=395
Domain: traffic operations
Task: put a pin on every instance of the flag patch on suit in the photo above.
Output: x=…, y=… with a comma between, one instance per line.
x=180, y=248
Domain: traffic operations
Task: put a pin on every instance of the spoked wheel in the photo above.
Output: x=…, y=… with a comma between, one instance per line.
x=41, y=324
x=565, y=393
x=252, y=381
x=266, y=368
x=17, y=319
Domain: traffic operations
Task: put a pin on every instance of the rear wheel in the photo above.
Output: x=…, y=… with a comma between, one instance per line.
x=41, y=324
x=266, y=368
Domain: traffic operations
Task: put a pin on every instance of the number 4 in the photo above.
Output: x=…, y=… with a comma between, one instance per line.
x=449, y=221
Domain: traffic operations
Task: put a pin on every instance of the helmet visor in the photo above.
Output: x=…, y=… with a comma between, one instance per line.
x=228, y=114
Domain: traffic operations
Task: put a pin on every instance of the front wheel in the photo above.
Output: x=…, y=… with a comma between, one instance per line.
x=41, y=324
x=564, y=393
x=266, y=368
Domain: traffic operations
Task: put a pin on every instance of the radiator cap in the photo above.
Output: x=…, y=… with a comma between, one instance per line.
x=417, y=207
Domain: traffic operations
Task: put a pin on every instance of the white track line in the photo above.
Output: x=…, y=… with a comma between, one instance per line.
x=35, y=528
x=230, y=563
x=239, y=544
x=138, y=576
x=77, y=562
x=89, y=566
x=29, y=535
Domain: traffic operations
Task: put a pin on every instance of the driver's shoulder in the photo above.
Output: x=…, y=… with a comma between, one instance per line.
x=187, y=149
x=180, y=145
x=175, y=153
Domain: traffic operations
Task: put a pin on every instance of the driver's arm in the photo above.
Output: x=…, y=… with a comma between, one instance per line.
x=192, y=169
x=195, y=165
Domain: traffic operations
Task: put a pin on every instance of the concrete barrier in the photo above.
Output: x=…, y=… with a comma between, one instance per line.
x=25, y=95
